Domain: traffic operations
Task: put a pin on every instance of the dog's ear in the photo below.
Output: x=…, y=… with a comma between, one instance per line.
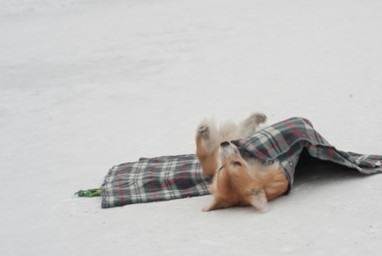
x=258, y=199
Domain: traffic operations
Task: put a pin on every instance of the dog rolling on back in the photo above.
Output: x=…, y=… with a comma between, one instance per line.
x=237, y=181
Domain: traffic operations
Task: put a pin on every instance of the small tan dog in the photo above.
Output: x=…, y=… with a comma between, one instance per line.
x=236, y=181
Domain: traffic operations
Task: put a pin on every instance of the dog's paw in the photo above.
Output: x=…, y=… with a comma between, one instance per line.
x=207, y=138
x=203, y=131
x=252, y=124
x=212, y=206
x=206, y=209
x=257, y=118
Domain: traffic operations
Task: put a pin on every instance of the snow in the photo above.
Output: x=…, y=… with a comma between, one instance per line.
x=85, y=85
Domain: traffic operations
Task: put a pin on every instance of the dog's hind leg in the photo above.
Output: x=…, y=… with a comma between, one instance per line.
x=251, y=124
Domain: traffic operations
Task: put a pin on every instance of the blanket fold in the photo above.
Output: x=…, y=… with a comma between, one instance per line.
x=180, y=176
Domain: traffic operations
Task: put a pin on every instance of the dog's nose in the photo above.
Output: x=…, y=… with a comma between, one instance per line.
x=224, y=144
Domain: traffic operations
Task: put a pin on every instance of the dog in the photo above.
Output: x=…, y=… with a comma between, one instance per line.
x=237, y=181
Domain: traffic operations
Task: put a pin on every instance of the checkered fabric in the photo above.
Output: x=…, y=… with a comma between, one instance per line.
x=154, y=179
x=172, y=177
x=283, y=142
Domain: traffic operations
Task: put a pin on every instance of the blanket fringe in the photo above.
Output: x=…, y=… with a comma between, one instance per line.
x=93, y=192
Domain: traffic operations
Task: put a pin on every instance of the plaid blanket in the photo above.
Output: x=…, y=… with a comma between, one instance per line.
x=154, y=179
x=172, y=177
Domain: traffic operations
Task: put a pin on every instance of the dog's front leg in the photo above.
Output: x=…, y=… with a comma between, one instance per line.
x=207, y=144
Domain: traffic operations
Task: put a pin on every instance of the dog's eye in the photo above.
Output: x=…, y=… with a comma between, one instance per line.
x=236, y=163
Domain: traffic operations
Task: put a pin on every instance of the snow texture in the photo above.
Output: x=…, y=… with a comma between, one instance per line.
x=88, y=84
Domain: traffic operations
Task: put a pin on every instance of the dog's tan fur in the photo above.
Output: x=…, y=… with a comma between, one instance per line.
x=236, y=182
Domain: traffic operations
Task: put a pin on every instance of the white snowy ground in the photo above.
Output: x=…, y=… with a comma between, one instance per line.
x=87, y=84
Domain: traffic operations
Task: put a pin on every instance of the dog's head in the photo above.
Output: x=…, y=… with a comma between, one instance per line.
x=233, y=184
